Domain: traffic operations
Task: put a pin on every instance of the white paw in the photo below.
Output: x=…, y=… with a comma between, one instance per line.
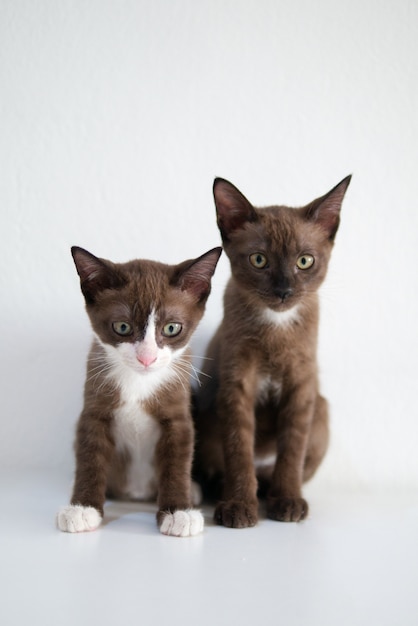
x=77, y=519
x=182, y=523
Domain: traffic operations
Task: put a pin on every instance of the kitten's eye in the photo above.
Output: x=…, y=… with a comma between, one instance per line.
x=258, y=260
x=305, y=261
x=172, y=329
x=122, y=328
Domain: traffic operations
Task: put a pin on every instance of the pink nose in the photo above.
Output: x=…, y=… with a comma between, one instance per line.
x=146, y=359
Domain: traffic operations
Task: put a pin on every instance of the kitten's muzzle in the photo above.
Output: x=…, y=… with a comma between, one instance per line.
x=146, y=360
x=283, y=293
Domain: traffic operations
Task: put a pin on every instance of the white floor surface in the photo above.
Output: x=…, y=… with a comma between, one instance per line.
x=353, y=562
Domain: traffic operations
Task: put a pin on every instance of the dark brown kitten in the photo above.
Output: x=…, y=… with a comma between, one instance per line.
x=261, y=421
x=135, y=434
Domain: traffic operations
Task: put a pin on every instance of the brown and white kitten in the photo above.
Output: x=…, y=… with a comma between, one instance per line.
x=262, y=425
x=135, y=435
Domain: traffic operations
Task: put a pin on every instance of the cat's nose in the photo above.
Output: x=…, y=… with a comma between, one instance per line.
x=283, y=294
x=146, y=360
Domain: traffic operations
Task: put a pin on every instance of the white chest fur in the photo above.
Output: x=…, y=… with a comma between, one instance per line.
x=268, y=389
x=137, y=433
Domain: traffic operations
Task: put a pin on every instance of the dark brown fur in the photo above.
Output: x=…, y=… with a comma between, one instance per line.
x=262, y=398
x=129, y=291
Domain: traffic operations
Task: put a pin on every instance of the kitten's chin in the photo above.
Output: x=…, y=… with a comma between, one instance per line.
x=283, y=316
x=280, y=306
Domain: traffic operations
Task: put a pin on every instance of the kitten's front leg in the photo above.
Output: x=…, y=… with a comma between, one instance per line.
x=94, y=450
x=239, y=508
x=174, y=452
x=284, y=501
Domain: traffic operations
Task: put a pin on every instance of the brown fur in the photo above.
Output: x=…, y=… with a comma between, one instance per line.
x=129, y=291
x=262, y=397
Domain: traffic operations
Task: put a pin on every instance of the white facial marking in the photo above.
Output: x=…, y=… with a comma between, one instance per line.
x=147, y=351
x=142, y=367
x=281, y=318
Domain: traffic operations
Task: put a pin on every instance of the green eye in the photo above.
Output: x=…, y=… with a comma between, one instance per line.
x=305, y=261
x=122, y=328
x=172, y=329
x=258, y=260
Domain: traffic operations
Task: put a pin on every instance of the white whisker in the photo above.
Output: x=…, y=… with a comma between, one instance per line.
x=179, y=377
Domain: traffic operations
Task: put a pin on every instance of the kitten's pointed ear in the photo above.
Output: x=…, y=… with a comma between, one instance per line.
x=195, y=276
x=95, y=274
x=325, y=211
x=232, y=207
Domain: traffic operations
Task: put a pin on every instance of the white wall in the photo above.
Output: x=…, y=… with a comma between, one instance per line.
x=116, y=116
